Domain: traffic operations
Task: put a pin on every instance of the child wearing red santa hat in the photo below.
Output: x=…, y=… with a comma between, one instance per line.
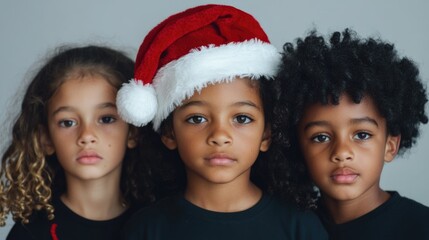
x=204, y=79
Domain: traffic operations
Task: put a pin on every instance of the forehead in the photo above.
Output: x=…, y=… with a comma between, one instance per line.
x=345, y=109
x=234, y=90
x=83, y=91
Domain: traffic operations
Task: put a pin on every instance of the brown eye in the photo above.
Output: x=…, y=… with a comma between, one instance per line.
x=196, y=119
x=243, y=119
x=321, y=138
x=67, y=123
x=107, y=119
x=362, y=136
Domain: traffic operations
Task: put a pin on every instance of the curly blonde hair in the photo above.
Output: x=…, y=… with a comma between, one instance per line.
x=28, y=177
x=27, y=181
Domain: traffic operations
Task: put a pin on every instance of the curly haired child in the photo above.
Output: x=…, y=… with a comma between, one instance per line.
x=74, y=169
x=207, y=71
x=349, y=105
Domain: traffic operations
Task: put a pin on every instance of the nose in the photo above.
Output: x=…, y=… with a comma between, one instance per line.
x=87, y=135
x=219, y=134
x=342, y=151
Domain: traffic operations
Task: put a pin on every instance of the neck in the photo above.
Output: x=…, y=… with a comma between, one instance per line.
x=95, y=200
x=224, y=197
x=345, y=211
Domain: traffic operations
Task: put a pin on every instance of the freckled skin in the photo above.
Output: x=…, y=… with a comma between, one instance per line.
x=82, y=116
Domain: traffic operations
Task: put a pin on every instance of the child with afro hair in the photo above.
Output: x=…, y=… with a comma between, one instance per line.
x=348, y=105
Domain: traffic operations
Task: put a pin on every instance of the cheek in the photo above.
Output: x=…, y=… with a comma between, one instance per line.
x=62, y=136
x=187, y=149
x=119, y=133
x=315, y=163
x=312, y=151
x=308, y=152
x=189, y=137
x=189, y=146
x=301, y=143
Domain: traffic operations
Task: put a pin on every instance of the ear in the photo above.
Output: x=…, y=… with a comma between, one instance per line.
x=46, y=142
x=392, y=147
x=266, y=140
x=132, y=137
x=169, y=140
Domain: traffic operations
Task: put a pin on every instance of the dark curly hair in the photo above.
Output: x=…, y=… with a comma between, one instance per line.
x=267, y=172
x=317, y=71
x=28, y=177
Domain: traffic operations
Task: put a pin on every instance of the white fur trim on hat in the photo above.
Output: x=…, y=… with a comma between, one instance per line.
x=179, y=79
x=136, y=103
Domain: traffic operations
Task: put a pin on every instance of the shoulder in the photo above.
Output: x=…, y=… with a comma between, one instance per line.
x=409, y=206
x=291, y=210
x=410, y=216
x=302, y=221
x=397, y=218
x=407, y=217
x=37, y=228
x=20, y=231
x=162, y=207
x=152, y=215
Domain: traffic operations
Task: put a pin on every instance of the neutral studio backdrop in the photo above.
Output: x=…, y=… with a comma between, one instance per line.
x=29, y=29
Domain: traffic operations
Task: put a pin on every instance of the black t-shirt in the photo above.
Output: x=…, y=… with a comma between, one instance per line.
x=67, y=225
x=177, y=218
x=397, y=218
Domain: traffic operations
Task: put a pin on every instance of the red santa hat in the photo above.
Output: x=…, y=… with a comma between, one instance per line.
x=203, y=45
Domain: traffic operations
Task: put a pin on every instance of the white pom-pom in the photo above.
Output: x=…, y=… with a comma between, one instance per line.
x=137, y=103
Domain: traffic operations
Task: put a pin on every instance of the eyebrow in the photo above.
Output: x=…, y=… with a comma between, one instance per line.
x=72, y=109
x=236, y=104
x=363, y=120
x=353, y=121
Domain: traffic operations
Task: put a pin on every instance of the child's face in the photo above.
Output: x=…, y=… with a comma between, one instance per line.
x=345, y=147
x=220, y=132
x=85, y=131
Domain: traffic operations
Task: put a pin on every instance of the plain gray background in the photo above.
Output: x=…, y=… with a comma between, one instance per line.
x=29, y=29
